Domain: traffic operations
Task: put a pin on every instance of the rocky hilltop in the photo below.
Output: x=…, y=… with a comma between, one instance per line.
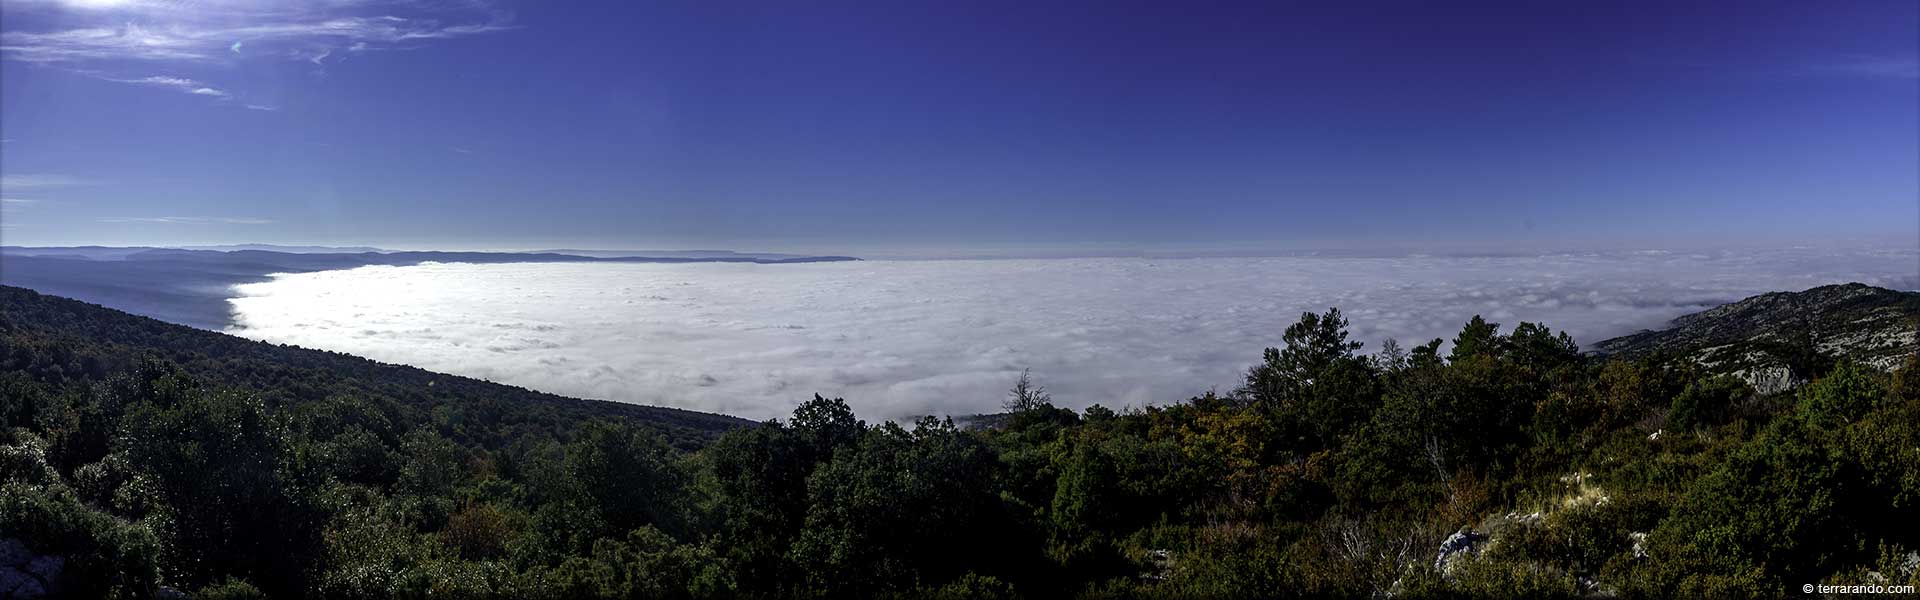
x=1774, y=340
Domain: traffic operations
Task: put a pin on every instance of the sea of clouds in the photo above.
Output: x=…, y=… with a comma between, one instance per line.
x=904, y=338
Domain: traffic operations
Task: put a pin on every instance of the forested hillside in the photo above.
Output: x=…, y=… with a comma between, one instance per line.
x=65, y=343
x=145, y=459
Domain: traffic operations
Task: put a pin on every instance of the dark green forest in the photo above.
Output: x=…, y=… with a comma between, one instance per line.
x=161, y=460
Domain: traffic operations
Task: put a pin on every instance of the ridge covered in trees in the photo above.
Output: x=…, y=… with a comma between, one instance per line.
x=153, y=459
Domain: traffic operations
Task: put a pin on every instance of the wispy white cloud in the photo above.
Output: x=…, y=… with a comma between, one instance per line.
x=189, y=39
x=28, y=181
x=190, y=220
x=901, y=338
x=262, y=107
x=129, y=41
x=8, y=205
x=1866, y=66
x=182, y=84
x=115, y=37
x=179, y=82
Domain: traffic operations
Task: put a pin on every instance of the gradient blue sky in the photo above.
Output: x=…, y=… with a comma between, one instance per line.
x=959, y=127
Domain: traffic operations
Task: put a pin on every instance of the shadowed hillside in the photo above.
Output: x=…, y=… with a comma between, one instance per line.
x=62, y=341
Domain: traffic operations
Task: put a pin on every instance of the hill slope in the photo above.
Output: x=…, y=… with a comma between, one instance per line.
x=1773, y=340
x=62, y=342
x=1510, y=467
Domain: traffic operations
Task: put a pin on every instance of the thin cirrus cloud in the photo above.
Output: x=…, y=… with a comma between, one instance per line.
x=124, y=35
x=34, y=181
x=176, y=83
x=8, y=205
x=1902, y=68
x=182, y=36
x=904, y=338
x=190, y=220
x=1876, y=67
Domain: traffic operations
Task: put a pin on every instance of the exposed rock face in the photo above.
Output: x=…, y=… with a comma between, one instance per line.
x=24, y=574
x=1765, y=340
x=1769, y=380
x=1463, y=543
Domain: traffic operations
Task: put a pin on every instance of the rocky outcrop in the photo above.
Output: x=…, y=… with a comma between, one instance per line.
x=1457, y=546
x=1771, y=339
x=24, y=574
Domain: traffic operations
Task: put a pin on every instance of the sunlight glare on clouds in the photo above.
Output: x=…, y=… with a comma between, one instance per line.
x=96, y=4
x=901, y=338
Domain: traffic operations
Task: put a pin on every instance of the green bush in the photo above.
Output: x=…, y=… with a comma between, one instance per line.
x=1843, y=396
x=1783, y=508
x=242, y=470
x=1706, y=403
x=105, y=557
x=231, y=589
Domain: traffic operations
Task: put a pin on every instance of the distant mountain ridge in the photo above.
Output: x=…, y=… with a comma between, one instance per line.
x=702, y=254
x=290, y=249
x=1766, y=338
x=293, y=255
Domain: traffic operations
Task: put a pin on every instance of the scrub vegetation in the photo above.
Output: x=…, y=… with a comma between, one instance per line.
x=152, y=459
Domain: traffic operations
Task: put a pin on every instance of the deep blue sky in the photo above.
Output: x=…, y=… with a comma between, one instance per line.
x=958, y=127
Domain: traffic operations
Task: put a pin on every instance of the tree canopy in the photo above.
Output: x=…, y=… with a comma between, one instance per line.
x=1508, y=466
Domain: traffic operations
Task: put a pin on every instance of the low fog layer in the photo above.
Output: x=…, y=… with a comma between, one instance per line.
x=948, y=337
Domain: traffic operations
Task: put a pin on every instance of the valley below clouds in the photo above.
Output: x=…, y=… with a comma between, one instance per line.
x=905, y=338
